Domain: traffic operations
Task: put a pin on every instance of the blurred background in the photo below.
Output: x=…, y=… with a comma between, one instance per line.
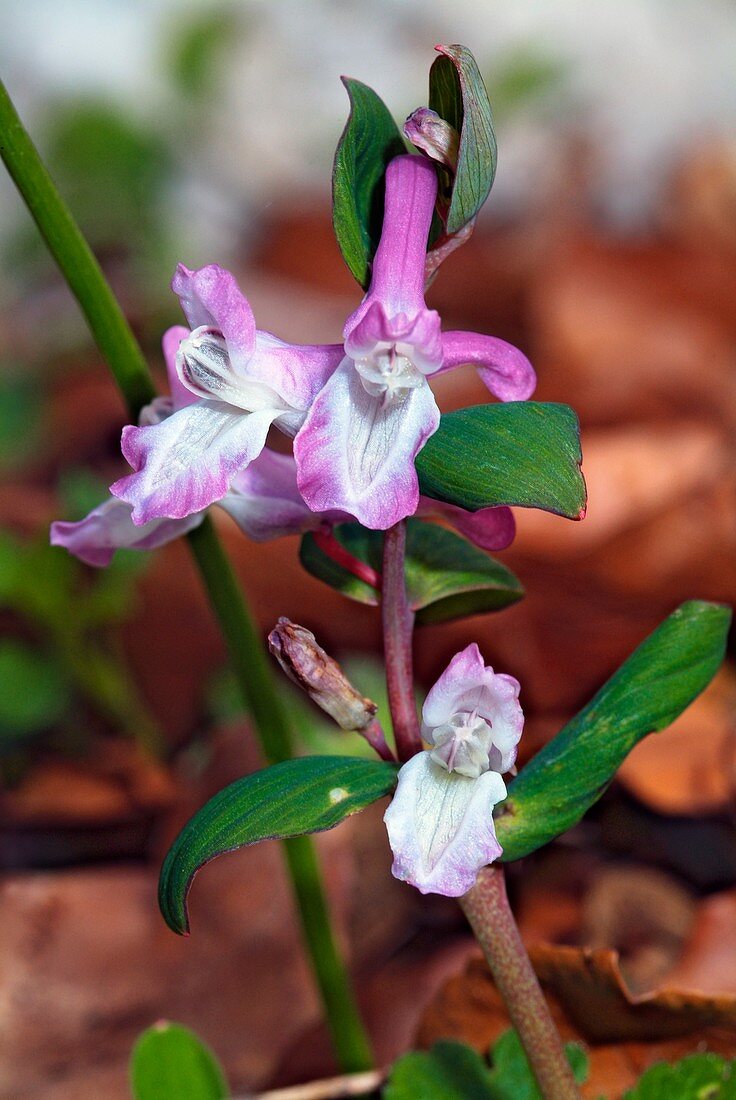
x=204, y=132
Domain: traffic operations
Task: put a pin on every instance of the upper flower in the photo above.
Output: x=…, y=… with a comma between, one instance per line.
x=244, y=380
x=440, y=821
x=356, y=449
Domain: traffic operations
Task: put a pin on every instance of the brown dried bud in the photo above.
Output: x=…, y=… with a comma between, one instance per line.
x=306, y=663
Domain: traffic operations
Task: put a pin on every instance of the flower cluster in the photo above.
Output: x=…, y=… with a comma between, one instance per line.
x=358, y=413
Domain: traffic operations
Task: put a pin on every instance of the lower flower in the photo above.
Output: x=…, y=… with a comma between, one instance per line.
x=440, y=821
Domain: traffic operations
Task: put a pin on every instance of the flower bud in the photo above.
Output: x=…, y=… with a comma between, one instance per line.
x=306, y=663
x=436, y=138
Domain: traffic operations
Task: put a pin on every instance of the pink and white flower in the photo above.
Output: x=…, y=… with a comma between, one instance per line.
x=244, y=381
x=355, y=451
x=263, y=499
x=440, y=821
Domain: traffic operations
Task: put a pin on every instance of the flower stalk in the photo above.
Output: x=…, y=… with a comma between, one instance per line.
x=125, y=358
x=487, y=908
x=398, y=625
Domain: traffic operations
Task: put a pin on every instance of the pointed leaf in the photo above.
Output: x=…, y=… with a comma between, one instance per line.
x=457, y=93
x=449, y=1071
x=307, y=795
x=524, y=453
x=169, y=1060
x=369, y=141
x=446, y=576
x=511, y=1075
x=657, y=682
x=702, y=1076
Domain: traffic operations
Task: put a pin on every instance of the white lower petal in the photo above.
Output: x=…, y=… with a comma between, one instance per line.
x=188, y=461
x=440, y=826
x=356, y=451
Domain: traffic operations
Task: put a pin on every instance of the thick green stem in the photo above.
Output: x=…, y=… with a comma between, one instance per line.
x=255, y=679
x=487, y=908
x=118, y=345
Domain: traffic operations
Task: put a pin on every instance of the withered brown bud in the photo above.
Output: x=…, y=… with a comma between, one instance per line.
x=305, y=662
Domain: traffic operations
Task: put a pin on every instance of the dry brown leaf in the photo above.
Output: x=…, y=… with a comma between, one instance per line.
x=589, y=1003
x=588, y=984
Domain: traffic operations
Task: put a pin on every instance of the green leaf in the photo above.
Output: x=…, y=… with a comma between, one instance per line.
x=657, y=682
x=306, y=795
x=457, y=93
x=34, y=693
x=700, y=1076
x=524, y=453
x=446, y=576
x=511, y=1075
x=449, y=1071
x=369, y=141
x=169, y=1061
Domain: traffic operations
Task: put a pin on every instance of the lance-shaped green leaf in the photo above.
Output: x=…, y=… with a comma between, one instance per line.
x=369, y=141
x=446, y=576
x=524, y=453
x=169, y=1060
x=307, y=795
x=657, y=682
x=457, y=93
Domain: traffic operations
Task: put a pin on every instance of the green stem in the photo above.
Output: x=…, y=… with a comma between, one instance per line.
x=118, y=345
x=255, y=679
x=487, y=908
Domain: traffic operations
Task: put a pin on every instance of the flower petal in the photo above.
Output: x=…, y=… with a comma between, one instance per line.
x=398, y=266
x=204, y=366
x=172, y=338
x=187, y=462
x=419, y=336
x=504, y=369
x=109, y=527
x=265, y=502
x=356, y=452
x=469, y=686
x=489, y=528
x=297, y=372
x=211, y=297
x=440, y=826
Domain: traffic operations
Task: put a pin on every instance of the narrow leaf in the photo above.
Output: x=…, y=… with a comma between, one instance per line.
x=369, y=141
x=523, y=453
x=457, y=93
x=169, y=1060
x=446, y=576
x=657, y=682
x=306, y=795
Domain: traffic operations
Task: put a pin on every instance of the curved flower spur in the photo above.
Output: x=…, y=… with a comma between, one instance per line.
x=440, y=821
x=356, y=449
